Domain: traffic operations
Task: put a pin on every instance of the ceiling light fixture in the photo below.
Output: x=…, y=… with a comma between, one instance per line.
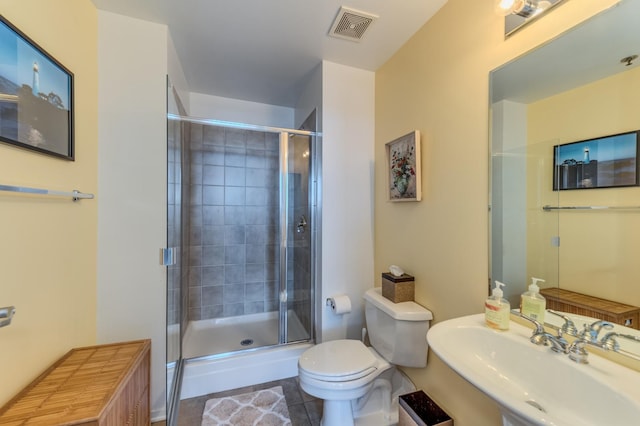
x=518, y=13
x=524, y=8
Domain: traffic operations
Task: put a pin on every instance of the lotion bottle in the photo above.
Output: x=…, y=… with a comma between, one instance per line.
x=497, y=309
x=532, y=303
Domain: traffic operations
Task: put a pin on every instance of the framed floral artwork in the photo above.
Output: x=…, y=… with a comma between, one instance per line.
x=403, y=162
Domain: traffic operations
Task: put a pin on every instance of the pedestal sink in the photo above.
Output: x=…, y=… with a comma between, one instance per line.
x=533, y=385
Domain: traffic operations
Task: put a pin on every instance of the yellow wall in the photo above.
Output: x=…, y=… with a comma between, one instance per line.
x=598, y=250
x=48, y=249
x=438, y=84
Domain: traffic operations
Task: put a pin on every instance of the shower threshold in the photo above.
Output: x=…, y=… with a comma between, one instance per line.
x=232, y=334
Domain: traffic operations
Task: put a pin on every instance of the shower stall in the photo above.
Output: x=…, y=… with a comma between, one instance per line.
x=242, y=228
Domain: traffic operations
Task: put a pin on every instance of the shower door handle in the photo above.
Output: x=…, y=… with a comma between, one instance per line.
x=302, y=225
x=167, y=256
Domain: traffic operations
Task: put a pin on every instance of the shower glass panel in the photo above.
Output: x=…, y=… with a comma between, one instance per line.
x=173, y=271
x=299, y=248
x=175, y=258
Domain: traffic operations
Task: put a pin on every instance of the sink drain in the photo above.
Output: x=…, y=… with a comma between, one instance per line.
x=536, y=405
x=247, y=342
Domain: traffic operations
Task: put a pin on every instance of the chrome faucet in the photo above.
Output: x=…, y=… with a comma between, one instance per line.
x=568, y=327
x=558, y=343
x=541, y=337
x=577, y=352
x=610, y=343
x=539, y=328
x=590, y=332
x=588, y=336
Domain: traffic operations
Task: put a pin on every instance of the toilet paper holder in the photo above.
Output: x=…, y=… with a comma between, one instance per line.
x=339, y=304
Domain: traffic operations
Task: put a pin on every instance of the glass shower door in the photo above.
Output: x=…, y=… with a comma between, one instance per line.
x=297, y=307
x=173, y=255
x=174, y=232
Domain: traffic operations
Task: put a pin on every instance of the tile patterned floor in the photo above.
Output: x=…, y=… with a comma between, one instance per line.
x=304, y=409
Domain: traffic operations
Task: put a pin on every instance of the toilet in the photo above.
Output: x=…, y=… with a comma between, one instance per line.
x=359, y=384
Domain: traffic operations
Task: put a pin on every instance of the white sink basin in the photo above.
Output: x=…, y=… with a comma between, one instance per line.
x=521, y=376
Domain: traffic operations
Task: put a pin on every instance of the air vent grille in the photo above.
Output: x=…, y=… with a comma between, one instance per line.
x=351, y=24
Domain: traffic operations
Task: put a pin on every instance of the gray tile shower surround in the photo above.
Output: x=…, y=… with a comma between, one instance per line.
x=234, y=254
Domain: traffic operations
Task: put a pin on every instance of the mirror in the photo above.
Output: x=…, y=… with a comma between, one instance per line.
x=585, y=84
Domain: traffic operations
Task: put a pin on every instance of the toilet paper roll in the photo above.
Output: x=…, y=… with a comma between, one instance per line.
x=340, y=304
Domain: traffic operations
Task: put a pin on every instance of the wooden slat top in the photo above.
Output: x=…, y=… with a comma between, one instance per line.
x=76, y=388
x=590, y=302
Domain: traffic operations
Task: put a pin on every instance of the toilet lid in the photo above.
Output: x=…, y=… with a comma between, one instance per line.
x=338, y=360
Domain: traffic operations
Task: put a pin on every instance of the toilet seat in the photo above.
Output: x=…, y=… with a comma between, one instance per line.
x=338, y=361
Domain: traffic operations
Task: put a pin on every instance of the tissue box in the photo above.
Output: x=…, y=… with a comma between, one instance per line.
x=398, y=289
x=417, y=409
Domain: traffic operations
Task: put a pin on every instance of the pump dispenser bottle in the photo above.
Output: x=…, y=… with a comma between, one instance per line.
x=532, y=303
x=497, y=309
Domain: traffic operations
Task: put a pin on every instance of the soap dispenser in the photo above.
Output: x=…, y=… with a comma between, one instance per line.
x=532, y=303
x=497, y=309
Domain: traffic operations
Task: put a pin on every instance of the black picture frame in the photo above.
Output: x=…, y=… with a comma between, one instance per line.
x=602, y=162
x=36, y=96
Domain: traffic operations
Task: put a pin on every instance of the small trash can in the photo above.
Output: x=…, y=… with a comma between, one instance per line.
x=417, y=409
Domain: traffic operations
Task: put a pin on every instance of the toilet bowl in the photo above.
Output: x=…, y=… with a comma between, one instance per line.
x=339, y=372
x=351, y=377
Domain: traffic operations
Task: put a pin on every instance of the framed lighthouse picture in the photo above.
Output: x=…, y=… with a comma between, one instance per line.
x=36, y=96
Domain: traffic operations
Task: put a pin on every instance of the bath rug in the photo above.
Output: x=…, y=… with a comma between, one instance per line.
x=260, y=408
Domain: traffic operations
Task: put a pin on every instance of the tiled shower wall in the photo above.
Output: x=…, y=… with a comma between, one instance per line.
x=234, y=251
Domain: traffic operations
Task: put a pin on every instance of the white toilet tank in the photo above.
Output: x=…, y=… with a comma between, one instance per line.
x=397, y=331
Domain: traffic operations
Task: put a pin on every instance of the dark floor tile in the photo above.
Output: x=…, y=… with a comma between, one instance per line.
x=291, y=390
x=314, y=411
x=238, y=391
x=298, y=415
x=190, y=411
x=305, y=396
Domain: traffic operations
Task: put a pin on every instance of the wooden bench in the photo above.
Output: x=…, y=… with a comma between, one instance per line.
x=105, y=385
x=581, y=304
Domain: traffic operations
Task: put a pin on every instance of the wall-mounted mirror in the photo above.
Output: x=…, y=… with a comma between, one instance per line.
x=585, y=84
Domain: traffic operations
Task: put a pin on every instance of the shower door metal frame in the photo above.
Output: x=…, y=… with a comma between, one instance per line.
x=283, y=188
x=283, y=332
x=285, y=224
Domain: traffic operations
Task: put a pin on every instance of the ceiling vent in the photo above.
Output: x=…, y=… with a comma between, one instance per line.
x=351, y=24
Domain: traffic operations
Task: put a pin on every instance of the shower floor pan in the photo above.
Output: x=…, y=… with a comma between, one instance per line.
x=224, y=335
